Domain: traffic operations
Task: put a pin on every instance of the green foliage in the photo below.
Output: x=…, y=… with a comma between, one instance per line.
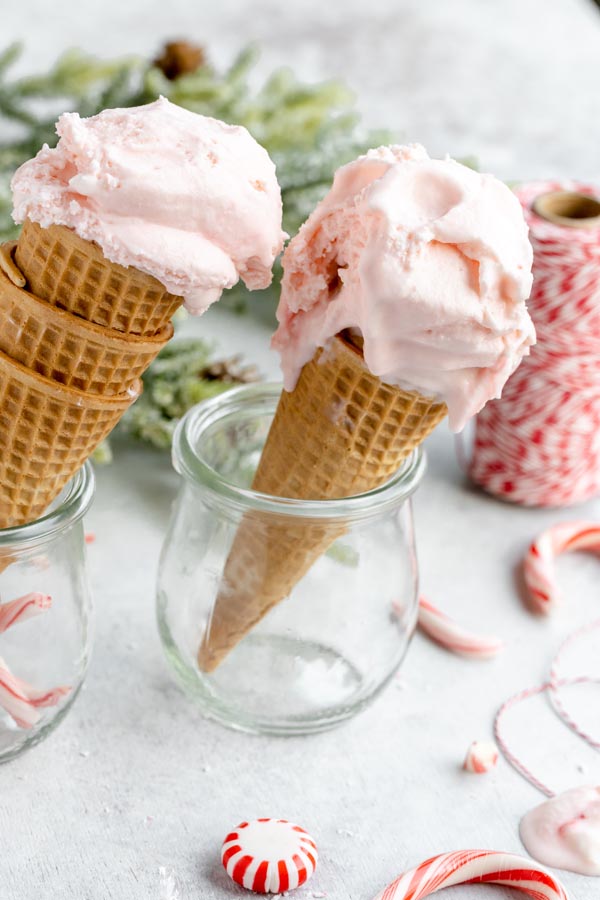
x=309, y=130
x=177, y=379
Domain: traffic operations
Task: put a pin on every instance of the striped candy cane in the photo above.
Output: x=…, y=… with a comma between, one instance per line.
x=449, y=634
x=475, y=867
x=21, y=701
x=23, y=608
x=539, y=567
x=556, y=680
x=481, y=757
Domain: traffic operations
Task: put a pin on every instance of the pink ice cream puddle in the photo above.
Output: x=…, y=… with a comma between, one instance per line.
x=565, y=831
x=429, y=261
x=165, y=190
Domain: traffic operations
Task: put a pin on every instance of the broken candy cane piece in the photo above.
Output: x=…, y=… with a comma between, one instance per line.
x=481, y=757
x=538, y=566
x=23, y=608
x=475, y=867
x=21, y=701
x=449, y=634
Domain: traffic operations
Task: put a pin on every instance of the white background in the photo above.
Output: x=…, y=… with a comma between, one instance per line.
x=135, y=779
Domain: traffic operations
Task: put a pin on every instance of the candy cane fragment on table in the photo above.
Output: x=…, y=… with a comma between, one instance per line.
x=481, y=757
x=19, y=699
x=538, y=566
x=269, y=856
x=475, y=867
x=452, y=636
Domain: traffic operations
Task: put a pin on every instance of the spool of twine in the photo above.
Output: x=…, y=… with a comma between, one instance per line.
x=539, y=445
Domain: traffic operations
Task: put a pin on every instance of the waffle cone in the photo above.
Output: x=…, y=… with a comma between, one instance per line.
x=47, y=431
x=58, y=345
x=340, y=432
x=69, y=272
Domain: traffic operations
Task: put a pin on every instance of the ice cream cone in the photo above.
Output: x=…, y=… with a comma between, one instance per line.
x=47, y=431
x=340, y=432
x=58, y=345
x=72, y=273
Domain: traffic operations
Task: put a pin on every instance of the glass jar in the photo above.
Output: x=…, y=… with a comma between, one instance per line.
x=341, y=631
x=45, y=610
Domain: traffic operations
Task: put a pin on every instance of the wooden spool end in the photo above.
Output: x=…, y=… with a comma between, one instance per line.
x=568, y=208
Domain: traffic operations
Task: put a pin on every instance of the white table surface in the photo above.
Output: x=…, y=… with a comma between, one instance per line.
x=135, y=779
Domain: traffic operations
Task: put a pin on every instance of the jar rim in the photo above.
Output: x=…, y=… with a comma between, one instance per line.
x=78, y=495
x=189, y=463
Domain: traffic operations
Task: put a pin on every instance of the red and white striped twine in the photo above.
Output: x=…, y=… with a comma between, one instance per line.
x=557, y=681
x=553, y=685
x=539, y=445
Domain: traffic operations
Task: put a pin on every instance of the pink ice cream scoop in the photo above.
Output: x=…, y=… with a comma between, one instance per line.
x=185, y=198
x=429, y=261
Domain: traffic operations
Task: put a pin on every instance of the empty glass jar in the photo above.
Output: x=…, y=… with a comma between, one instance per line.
x=349, y=607
x=45, y=608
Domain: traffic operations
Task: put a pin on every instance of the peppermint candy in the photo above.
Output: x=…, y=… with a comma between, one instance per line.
x=269, y=856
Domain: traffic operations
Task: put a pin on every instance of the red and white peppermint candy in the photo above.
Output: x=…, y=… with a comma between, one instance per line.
x=475, y=867
x=269, y=856
x=481, y=757
x=449, y=634
x=539, y=563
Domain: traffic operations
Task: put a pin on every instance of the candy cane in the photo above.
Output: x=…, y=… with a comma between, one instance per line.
x=481, y=757
x=475, y=867
x=21, y=701
x=449, y=634
x=539, y=561
x=23, y=608
x=14, y=700
x=18, y=698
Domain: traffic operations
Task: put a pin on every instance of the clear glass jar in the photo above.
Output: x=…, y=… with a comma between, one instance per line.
x=327, y=649
x=45, y=611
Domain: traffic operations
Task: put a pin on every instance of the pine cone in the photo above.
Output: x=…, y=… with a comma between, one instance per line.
x=230, y=371
x=179, y=58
